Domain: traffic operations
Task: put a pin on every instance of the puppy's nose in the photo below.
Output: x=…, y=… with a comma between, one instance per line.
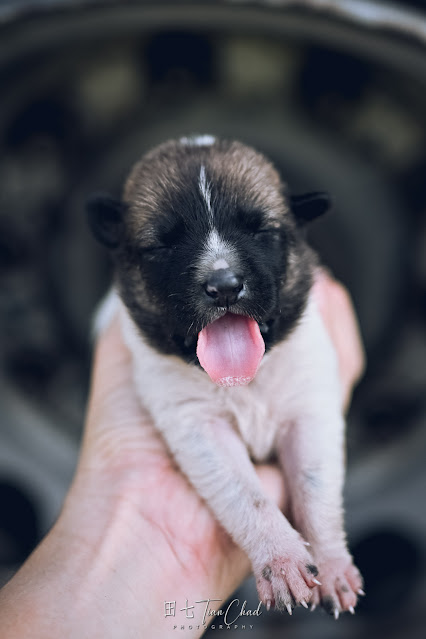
x=223, y=286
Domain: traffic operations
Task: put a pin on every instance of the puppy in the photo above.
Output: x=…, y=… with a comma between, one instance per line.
x=213, y=285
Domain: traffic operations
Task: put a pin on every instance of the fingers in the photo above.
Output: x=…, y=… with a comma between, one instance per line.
x=339, y=317
x=112, y=360
x=113, y=399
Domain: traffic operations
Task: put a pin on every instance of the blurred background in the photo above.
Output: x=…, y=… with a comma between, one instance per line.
x=334, y=92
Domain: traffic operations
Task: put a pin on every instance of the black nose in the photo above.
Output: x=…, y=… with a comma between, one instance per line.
x=223, y=286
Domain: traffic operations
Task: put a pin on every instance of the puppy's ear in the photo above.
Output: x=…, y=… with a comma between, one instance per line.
x=309, y=206
x=105, y=216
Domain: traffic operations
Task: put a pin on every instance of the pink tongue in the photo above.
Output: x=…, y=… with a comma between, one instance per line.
x=230, y=350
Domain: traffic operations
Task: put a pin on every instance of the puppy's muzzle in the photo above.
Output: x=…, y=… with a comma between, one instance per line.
x=224, y=287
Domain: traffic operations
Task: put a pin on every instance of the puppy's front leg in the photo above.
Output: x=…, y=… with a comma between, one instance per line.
x=311, y=451
x=217, y=463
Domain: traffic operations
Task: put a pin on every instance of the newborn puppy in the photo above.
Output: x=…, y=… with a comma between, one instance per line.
x=213, y=288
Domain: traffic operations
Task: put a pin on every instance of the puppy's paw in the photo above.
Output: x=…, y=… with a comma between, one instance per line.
x=287, y=581
x=341, y=583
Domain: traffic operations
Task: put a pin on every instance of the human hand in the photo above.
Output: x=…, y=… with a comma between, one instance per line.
x=133, y=533
x=122, y=446
x=339, y=317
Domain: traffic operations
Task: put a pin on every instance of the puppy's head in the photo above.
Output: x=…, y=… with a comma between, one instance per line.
x=209, y=253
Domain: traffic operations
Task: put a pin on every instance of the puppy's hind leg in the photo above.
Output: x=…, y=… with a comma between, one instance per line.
x=311, y=453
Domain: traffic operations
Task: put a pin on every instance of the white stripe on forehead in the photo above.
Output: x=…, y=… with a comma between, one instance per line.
x=205, y=190
x=217, y=246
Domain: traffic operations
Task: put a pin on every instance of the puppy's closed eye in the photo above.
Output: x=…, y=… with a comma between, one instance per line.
x=156, y=250
x=170, y=236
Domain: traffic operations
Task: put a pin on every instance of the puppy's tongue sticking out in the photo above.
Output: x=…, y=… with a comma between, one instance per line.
x=230, y=350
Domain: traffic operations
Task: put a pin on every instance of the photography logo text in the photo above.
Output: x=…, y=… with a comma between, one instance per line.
x=203, y=613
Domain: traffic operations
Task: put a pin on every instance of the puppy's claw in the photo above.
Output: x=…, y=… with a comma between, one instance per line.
x=268, y=605
x=313, y=607
x=351, y=610
x=336, y=613
x=318, y=583
x=361, y=592
x=303, y=603
x=306, y=543
x=289, y=609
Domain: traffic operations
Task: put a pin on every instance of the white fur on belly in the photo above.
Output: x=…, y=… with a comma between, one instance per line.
x=299, y=376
